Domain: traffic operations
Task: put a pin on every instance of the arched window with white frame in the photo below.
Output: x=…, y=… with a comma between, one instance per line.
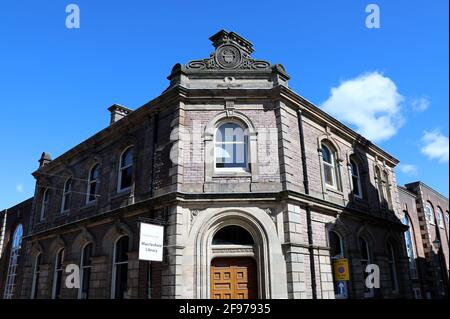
x=16, y=245
x=356, y=178
x=231, y=148
x=429, y=213
x=125, y=181
x=85, y=271
x=439, y=217
x=67, y=195
x=44, y=204
x=119, y=285
x=410, y=247
x=447, y=221
x=93, y=183
x=337, y=252
x=329, y=166
x=36, y=276
x=58, y=274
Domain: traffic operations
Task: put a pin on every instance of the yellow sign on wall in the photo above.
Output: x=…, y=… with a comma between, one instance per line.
x=341, y=272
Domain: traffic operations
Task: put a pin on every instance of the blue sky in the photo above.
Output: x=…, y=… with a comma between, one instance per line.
x=57, y=83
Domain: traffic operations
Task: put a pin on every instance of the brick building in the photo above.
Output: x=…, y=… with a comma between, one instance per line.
x=260, y=193
x=426, y=213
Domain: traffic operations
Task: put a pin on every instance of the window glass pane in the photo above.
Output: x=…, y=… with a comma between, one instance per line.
x=364, y=249
x=95, y=172
x=127, y=178
x=13, y=262
x=326, y=154
x=335, y=245
x=66, y=202
x=127, y=158
x=122, y=249
x=87, y=254
x=68, y=186
x=328, y=172
x=233, y=235
x=93, y=191
x=231, y=146
x=356, y=189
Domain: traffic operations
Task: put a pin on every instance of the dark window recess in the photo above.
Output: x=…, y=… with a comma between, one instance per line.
x=233, y=235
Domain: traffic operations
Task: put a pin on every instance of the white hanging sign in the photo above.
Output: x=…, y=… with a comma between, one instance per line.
x=151, y=242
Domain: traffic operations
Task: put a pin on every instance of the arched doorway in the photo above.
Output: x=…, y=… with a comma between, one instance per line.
x=234, y=272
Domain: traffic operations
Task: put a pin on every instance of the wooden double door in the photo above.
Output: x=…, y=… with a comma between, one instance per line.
x=234, y=278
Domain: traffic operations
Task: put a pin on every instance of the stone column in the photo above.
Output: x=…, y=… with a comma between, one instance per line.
x=100, y=286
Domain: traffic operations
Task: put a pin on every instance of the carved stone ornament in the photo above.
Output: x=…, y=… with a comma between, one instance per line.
x=232, y=52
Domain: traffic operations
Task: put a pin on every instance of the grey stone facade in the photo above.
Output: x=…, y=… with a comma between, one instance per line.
x=282, y=200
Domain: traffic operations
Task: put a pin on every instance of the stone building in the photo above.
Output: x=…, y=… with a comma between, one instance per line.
x=260, y=193
x=426, y=213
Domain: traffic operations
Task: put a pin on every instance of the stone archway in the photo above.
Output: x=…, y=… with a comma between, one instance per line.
x=199, y=251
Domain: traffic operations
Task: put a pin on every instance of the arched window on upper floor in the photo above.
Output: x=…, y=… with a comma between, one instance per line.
x=93, y=183
x=440, y=217
x=429, y=213
x=67, y=195
x=231, y=148
x=357, y=183
x=44, y=204
x=330, y=166
x=126, y=164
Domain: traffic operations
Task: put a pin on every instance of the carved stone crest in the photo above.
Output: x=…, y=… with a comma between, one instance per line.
x=228, y=56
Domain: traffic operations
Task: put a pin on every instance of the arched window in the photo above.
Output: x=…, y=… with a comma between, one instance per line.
x=447, y=220
x=231, y=148
x=67, y=194
x=410, y=247
x=392, y=267
x=379, y=182
x=356, y=178
x=429, y=215
x=387, y=189
x=366, y=259
x=120, y=268
x=329, y=166
x=233, y=235
x=440, y=217
x=336, y=253
x=93, y=182
x=36, y=274
x=126, y=170
x=86, y=266
x=57, y=274
x=13, y=262
x=44, y=204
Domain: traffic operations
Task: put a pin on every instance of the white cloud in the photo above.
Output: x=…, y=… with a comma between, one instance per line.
x=408, y=169
x=420, y=104
x=370, y=102
x=435, y=146
x=19, y=188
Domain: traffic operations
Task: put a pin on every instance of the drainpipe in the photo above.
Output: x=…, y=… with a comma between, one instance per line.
x=308, y=207
x=154, y=144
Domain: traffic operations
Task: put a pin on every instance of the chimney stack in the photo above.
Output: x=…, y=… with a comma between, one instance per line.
x=45, y=159
x=118, y=112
